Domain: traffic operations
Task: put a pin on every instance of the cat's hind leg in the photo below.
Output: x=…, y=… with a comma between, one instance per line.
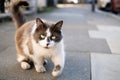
x=24, y=62
x=25, y=65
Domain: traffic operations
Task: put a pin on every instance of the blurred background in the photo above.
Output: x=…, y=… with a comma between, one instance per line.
x=105, y=5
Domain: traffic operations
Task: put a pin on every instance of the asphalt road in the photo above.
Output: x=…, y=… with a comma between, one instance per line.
x=80, y=28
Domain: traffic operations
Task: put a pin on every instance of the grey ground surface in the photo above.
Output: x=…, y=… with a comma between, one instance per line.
x=105, y=67
x=78, y=21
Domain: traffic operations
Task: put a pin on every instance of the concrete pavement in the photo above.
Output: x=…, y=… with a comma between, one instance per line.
x=85, y=43
x=105, y=66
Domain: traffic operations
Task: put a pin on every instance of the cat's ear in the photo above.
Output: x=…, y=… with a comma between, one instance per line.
x=59, y=24
x=39, y=22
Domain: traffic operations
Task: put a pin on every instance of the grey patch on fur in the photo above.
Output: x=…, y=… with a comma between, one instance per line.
x=57, y=68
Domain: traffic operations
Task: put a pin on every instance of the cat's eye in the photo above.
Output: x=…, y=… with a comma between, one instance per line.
x=53, y=37
x=42, y=36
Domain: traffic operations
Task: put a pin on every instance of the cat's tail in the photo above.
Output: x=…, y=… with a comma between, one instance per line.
x=17, y=16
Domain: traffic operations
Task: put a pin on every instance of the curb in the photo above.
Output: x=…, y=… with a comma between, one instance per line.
x=108, y=14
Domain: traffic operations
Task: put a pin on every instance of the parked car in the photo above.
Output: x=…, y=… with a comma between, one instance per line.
x=111, y=5
x=104, y=4
x=115, y=6
x=72, y=1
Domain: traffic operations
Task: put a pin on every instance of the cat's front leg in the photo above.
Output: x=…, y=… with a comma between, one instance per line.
x=58, y=65
x=39, y=65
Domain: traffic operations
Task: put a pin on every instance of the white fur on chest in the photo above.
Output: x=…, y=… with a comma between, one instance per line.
x=40, y=51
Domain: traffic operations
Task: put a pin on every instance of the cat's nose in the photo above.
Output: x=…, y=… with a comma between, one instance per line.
x=47, y=44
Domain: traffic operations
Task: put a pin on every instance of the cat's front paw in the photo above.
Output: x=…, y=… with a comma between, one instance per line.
x=25, y=65
x=40, y=69
x=57, y=71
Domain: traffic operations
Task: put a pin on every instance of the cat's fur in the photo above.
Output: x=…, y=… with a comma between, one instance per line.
x=37, y=41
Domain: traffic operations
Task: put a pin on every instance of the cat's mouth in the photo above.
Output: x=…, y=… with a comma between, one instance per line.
x=47, y=47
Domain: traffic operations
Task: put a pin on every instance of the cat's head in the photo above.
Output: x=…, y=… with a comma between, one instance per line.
x=47, y=35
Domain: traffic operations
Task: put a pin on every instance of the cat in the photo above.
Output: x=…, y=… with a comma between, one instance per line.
x=38, y=40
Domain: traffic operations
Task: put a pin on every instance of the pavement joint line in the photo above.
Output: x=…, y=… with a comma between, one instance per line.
x=90, y=67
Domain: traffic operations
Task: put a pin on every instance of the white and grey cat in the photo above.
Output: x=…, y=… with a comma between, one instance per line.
x=37, y=41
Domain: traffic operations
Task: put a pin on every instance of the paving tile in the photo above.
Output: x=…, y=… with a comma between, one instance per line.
x=110, y=34
x=114, y=44
x=105, y=66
